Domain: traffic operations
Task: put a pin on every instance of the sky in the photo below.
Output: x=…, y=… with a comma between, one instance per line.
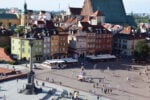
x=135, y=6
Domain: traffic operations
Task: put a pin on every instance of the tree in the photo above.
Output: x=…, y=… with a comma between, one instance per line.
x=19, y=29
x=141, y=51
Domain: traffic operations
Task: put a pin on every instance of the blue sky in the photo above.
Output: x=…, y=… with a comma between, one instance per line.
x=137, y=6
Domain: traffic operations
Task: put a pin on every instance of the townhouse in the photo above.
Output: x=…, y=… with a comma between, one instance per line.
x=20, y=48
x=125, y=41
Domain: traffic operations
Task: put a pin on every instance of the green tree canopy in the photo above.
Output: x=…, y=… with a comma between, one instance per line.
x=142, y=50
x=19, y=29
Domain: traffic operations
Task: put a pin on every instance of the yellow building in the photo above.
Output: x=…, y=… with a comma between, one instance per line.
x=20, y=49
x=7, y=19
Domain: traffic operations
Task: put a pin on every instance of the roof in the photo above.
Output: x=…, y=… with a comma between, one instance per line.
x=93, y=28
x=8, y=16
x=75, y=11
x=131, y=36
x=126, y=30
x=114, y=11
x=107, y=25
x=4, y=56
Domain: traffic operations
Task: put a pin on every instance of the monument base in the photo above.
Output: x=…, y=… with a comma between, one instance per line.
x=30, y=89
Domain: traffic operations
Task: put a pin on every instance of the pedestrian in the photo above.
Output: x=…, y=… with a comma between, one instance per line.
x=97, y=84
x=93, y=85
x=105, y=90
x=14, y=68
x=37, y=83
x=140, y=73
x=17, y=80
x=99, y=80
x=52, y=80
x=104, y=79
x=110, y=91
x=60, y=83
x=108, y=68
x=43, y=84
x=47, y=78
x=98, y=97
x=70, y=94
x=128, y=78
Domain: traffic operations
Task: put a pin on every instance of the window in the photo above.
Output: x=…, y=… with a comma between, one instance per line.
x=44, y=50
x=22, y=49
x=40, y=43
x=48, y=51
x=12, y=41
x=36, y=50
x=13, y=48
x=55, y=49
x=48, y=39
x=124, y=41
x=22, y=42
x=124, y=47
x=40, y=49
x=45, y=46
x=63, y=49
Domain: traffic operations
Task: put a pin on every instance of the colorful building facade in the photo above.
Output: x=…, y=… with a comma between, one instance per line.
x=20, y=48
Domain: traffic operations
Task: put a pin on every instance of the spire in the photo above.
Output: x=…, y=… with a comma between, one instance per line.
x=25, y=7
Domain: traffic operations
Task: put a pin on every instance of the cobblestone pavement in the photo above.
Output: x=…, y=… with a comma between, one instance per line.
x=121, y=76
x=9, y=90
x=127, y=81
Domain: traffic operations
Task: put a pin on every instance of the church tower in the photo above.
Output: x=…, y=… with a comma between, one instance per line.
x=24, y=15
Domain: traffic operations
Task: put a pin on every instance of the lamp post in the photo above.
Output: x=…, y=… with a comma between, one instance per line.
x=133, y=34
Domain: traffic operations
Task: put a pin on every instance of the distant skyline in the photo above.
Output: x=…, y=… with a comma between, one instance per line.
x=135, y=6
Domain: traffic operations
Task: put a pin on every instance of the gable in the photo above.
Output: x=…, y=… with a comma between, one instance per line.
x=112, y=9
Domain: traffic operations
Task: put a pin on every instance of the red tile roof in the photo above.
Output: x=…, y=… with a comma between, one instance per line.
x=5, y=71
x=4, y=56
x=115, y=27
x=126, y=30
x=107, y=25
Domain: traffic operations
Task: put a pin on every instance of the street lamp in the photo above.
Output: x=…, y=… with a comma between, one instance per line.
x=133, y=34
